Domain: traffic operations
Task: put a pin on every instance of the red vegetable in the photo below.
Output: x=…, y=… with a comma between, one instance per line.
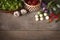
x=52, y=14
x=56, y=16
x=29, y=2
x=51, y=17
x=32, y=2
x=50, y=20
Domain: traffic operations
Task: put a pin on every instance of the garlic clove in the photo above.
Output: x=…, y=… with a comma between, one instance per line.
x=16, y=13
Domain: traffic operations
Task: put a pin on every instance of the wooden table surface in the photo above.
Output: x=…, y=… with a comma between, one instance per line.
x=26, y=28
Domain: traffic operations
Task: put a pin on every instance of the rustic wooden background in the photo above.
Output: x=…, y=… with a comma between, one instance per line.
x=26, y=28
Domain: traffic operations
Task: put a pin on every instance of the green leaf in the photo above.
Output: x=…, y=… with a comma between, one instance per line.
x=10, y=4
x=49, y=4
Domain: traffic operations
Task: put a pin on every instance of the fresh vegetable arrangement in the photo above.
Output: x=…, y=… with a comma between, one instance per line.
x=10, y=5
x=49, y=12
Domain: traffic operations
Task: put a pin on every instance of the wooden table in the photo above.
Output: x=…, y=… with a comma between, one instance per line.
x=26, y=28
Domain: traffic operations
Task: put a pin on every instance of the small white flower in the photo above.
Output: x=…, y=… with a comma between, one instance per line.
x=16, y=13
x=41, y=15
x=45, y=14
x=23, y=11
x=41, y=18
x=47, y=17
x=58, y=5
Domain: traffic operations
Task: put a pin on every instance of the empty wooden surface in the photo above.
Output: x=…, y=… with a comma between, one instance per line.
x=26, y=28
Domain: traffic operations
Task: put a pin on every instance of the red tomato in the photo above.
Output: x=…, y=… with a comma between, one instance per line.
x=34, y=2
x=29, y=2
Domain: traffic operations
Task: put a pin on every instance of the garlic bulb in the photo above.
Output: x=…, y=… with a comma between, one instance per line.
x=47, y=17
x=45, y=14
x=16, y=13
x=39, y=12
x=41, y=18
x=23, y=11
x=41, y=15
x=36, y=17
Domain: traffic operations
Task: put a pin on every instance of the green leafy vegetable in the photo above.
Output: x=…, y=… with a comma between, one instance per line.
x=10, y=5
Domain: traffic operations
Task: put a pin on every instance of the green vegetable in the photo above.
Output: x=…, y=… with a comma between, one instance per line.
x=49, y=4
x=10, y=5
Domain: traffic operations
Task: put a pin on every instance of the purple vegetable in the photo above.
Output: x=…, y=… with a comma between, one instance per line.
x=43, y=4
x=44, y=8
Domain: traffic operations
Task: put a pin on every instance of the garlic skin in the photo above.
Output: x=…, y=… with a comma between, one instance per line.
x=23, y=11
x=16, y=13
x=47, y=17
